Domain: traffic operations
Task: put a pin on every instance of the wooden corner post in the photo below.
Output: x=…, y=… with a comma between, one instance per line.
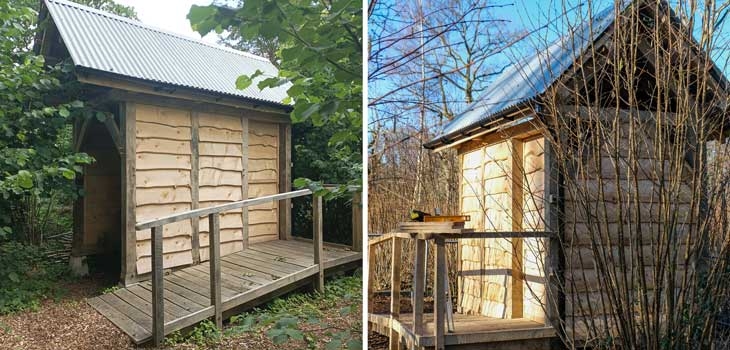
x=357, y=221
x=439, y=295
x=127, y=118
x=419, y=283
x=158, y=287
x=554, y=261
x=195, y=182
x=318, y=241
x=395, y=265
x=517, y=217
x=244, y=180
x=214, y=243
x=285, y=180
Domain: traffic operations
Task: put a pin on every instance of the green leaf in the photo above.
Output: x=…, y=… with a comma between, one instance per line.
x=25, y=179
x=243, y=82
x=14, y=277
x=68, y=173
x=345, y=310
x=354, y=344
x=64, y=112
x=334, y=344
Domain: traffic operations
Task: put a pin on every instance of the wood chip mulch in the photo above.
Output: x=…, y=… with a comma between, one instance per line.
x=67, y=324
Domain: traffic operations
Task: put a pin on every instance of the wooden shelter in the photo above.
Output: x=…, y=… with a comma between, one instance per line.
x=529, y=235
x=191, y=188
x=177, y=136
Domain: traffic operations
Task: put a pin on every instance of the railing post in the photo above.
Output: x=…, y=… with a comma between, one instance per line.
x=395, y=265
x=214, y=243
x=357, y=221
x=418, y=286
x=439, y=298
x=317, y=239
x=371, y=276
x=158, y=301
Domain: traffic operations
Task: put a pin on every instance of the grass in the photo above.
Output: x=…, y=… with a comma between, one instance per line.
x=330, y=320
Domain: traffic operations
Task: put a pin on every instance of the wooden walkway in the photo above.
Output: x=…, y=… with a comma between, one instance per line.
x=248, y=278
x=469, y=331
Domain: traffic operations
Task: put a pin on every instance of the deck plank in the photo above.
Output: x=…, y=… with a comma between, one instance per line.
x=139, y=303
x=247, y=277
x=123, y=308
x=146, y=295
x=278, y=261
x=269, y=267
x=246, y=272
x=228, y=281
x=172, y=295
x=292, y=256
x=119, y=319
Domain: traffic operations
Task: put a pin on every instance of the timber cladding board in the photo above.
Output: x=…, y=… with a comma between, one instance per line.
x=263, y=177
x=171, y=147
x=163, y=181
x=600, y=228
x=486, y=280
x=221, y=163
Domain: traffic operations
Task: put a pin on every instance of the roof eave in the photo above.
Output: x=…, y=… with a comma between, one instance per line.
x=113, y=80
x=460, y=136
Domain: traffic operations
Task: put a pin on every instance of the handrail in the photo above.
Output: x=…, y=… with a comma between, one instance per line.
x=219, y=208
x=439, y=239
x=213, y=213
x=457, y=236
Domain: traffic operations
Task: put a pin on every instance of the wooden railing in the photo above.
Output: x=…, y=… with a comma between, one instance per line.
x=439, y=287
x=213, y=214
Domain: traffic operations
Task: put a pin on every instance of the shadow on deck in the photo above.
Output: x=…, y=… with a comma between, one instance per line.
x=248, y=278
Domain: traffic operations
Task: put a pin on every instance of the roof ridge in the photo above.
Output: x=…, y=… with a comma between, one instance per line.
x=142, y=25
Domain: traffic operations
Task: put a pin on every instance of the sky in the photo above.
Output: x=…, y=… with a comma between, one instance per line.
x=170, y=15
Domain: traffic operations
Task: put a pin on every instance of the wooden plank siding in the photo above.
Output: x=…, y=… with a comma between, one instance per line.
x=263, y=174
x=186, y=159
x=502, y=190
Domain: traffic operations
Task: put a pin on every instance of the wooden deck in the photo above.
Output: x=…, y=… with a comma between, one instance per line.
x=469, y=330
x=248, y=278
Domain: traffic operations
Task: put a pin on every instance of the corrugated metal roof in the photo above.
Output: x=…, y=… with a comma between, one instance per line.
x=528, y=78
x=109, y=43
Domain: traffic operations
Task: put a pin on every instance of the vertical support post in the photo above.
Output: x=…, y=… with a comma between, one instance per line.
x=439, y=294
x=357, y=221
x=419, y=282
x=517, y=218
x=244, y=179
x=285, y=180
x=128, y=120
x=158, y=300
x=214, y=241
x=318, y=241
x=371, y=275
x=194, y=182
x=395, y=265
x=553, y=261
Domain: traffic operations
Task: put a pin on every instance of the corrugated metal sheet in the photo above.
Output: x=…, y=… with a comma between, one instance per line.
x=114, y=44
x=528, y=78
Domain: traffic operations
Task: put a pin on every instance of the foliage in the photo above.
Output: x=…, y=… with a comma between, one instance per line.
x=320, y=56
x=289, y=319
x=297, y=317
x=110, y=6
x=26, y=277
x=38, y=104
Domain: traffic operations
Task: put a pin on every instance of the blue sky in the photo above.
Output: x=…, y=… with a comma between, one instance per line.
x=547, y=15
